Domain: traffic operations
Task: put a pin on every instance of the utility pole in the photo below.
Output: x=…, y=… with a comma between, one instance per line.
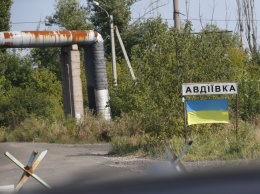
x=176, y=14
x=112, y=42
x=113, y=52
x=124, y=52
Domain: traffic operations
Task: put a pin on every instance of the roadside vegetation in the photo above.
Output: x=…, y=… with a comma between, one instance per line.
x=127, y=137
x=144, y=111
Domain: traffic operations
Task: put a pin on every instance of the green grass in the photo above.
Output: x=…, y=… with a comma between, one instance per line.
x=126, y=137
x=222, y=144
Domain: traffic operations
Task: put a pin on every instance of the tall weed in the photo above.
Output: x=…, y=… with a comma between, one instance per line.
x=127, y=136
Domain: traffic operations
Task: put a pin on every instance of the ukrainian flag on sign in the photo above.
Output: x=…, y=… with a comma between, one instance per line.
x=207, y=111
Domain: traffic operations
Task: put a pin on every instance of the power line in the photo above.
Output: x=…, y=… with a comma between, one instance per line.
x=214, y=20
x=27, y=22
x=191, y=19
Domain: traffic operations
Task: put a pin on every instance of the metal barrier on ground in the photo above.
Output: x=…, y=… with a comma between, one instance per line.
x=28, y=171
x=175, y=161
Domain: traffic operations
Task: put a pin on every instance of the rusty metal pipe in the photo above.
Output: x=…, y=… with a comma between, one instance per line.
x=41, y=39
x=33, y=39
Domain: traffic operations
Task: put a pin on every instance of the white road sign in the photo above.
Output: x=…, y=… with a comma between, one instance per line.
x=190, y=89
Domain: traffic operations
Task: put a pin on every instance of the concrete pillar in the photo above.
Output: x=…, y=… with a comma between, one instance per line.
x=71, y=81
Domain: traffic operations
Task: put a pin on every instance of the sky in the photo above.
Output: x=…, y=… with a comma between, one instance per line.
x=26, y=14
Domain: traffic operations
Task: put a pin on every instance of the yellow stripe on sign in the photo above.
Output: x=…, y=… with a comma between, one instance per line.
x=209, y=116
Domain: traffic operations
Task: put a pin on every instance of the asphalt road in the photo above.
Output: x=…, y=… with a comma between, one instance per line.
x=64, y=164
x=88, y=169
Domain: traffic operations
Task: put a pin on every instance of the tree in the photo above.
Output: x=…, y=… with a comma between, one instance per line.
x=17, y=72
x=165, y=58
x=69, y=15
x=47, y=58
x=247, y=25
x=27, y=92
x=5, y=14
x=120, y=9
x=121, y=12
x=24, y=103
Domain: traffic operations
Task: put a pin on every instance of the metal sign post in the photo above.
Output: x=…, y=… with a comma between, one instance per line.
x=185, y=119
x=29, y=169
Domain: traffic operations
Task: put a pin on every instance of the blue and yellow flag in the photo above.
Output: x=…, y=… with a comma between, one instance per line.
x=207, y=111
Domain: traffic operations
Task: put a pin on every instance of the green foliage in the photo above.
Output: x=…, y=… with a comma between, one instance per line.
x=126, y=145
x=165, y=58
x=26, y=92
x=44, y=81
x=144, y=111
x=221, y=144
x=121, y=12
x=249, y=99
x=5, y=14
x=93, y=129
x=47, y=58
x=2, y=134
x=14, y=71
x=22, y=103
x=17, y=72
x=69, y=15
x=42, y=130
x=126, y=138
x=119, y=9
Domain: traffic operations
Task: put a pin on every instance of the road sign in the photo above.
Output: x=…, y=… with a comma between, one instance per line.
x=191, y=89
